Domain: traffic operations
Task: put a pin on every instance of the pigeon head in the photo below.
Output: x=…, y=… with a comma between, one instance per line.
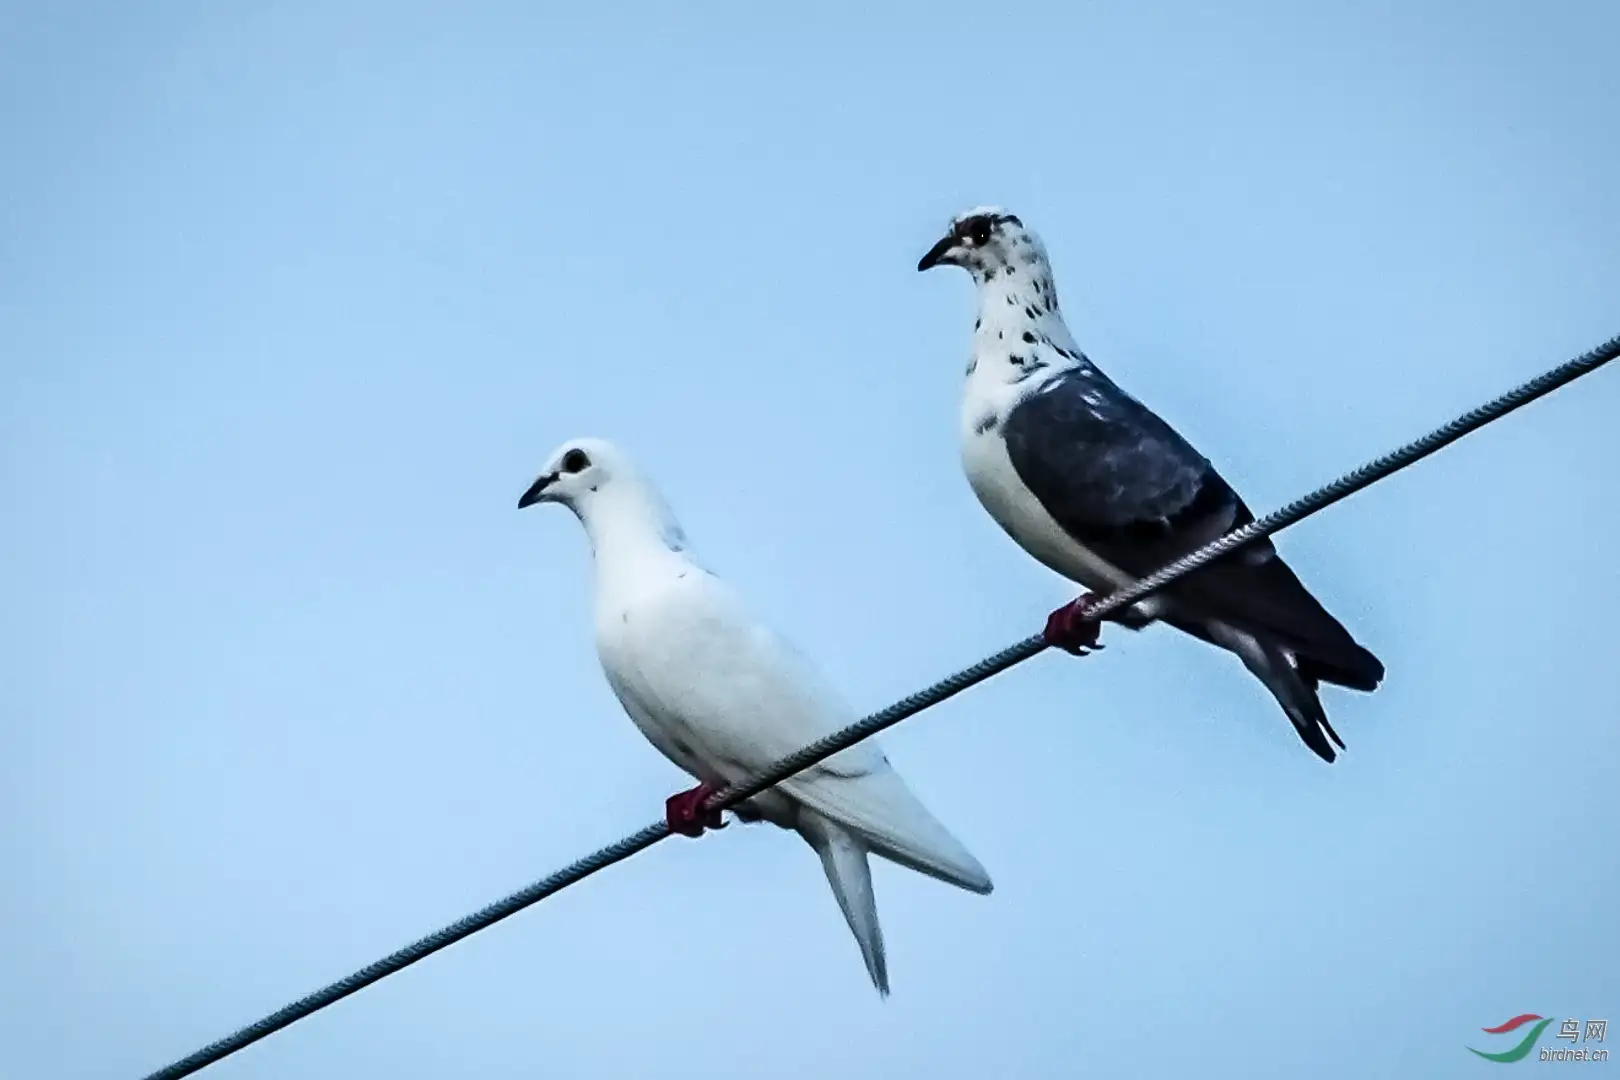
x=577, y=468
x=604, y=489
x=985, y=241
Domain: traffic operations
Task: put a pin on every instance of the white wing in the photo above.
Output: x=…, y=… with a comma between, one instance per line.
x=725, y=686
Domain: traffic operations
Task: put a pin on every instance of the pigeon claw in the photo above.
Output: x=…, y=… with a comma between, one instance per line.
x=684, y=813
x=1069, y=629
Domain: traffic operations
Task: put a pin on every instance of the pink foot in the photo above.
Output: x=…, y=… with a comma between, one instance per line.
x=1068, y=629
x=684, y=813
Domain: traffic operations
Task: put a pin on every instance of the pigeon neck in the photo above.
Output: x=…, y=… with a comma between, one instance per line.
x=1019, y=333
x=1016, y=297
x=627, y=519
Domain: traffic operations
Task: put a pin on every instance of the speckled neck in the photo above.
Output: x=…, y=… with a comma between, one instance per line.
x=1019, y=331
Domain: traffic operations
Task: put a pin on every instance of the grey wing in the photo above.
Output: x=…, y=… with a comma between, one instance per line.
x=1122, y=483
x=1117, y=478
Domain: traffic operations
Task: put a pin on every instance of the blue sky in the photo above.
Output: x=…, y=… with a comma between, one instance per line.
x=295, y=299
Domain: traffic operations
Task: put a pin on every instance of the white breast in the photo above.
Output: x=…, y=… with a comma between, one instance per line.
x=991, y=474
x=694, y=675
x=632, y=616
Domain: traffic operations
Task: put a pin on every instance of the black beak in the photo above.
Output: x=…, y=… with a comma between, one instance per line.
x=936, y=253
x=536, y=489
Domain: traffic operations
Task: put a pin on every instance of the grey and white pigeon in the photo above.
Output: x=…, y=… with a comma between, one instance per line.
x=721, y=696
x=1097, y=487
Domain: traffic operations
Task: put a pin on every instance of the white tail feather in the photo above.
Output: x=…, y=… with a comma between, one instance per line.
x=850, y=875
x=892, y=822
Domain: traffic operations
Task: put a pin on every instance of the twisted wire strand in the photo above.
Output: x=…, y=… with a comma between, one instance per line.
x=948, y=687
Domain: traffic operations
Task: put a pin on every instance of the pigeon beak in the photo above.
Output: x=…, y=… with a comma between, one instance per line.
x=936, y=254
x=537, y=491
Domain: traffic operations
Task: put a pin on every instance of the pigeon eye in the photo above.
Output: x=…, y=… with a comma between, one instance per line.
x=575, y=461
x=975, y=231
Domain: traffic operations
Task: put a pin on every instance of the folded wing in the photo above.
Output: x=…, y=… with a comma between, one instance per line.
x=743, y=698
x=1123, y=484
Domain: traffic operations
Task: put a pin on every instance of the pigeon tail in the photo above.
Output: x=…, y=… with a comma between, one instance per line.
x=850, y=875
x=1295, y=690
x=1355, y=668
x=891, y=822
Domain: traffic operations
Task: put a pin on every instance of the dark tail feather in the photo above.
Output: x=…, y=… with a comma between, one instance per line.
x=1295, y=691
x=1321, y=715
x=1311, y=722
x=1353, y=670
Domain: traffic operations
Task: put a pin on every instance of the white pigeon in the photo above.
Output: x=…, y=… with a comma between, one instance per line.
x=1095, y=485
x=723, y=697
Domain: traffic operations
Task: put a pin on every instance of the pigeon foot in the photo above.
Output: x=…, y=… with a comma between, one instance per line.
x=684, y=813
x=1069, y=629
